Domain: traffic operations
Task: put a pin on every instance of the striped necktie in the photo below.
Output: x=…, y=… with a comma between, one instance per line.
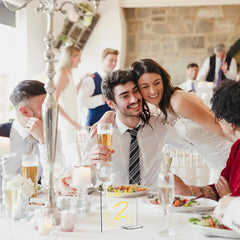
x=134, y=160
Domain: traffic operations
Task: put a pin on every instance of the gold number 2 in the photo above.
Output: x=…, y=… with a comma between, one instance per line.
x=124, y=216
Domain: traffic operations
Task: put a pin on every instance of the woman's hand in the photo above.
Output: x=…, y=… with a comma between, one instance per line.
x=223, y=187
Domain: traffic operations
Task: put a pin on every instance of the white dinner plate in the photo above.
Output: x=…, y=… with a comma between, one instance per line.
x=216, y=232
x=123, y=194
x=201, y=205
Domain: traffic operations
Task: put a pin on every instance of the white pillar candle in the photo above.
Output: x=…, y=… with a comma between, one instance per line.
x=4, y=145
x=81, y=177
x=45, y=225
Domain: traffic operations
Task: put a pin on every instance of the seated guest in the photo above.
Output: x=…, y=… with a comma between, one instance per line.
x=189, y=84
x=225, y=105
x=227, y=212
x=5, y=129
x=132, y=125
x=26, y=132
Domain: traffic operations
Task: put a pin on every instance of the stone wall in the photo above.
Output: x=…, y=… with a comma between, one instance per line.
x=176, y=36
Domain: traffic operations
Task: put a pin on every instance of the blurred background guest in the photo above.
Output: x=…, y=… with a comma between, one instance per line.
x=225, y=105
x=66, y=95
x=189, y=84
x=218, y=67
x=90, y=93
x=227, y=212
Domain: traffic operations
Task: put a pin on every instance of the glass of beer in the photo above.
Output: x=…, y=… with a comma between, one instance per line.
x=30, y=169
x=104, y=134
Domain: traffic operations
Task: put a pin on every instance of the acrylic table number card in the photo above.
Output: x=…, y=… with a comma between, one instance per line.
x=118, y=209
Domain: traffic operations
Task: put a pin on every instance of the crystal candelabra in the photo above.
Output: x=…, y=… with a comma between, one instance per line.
x=50, y=106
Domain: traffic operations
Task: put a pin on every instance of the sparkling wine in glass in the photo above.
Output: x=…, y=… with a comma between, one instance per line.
x=166, y=197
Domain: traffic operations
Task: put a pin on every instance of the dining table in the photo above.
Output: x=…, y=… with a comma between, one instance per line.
x=88, y=226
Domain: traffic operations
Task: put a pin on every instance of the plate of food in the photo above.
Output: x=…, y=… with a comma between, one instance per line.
x=210, y=227
x=189, y=204
x=127, y=191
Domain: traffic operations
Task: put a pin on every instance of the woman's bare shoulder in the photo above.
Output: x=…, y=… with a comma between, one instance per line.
x=181, y=100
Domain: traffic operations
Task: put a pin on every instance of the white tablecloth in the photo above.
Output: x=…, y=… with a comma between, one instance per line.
x=88, y=227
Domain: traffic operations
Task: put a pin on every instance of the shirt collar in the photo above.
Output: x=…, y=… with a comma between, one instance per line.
x=20, y=129
x=101, y=73
x=122, y=127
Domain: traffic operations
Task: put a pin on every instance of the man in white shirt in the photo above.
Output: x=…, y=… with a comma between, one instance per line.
x=228, y=212
x=90, y=94
x=189, y=84
x=218, y=67
x=122, y=94
x=27, y=99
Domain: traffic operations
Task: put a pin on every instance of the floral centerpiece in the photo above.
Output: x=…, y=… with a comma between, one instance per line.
x=25, y=189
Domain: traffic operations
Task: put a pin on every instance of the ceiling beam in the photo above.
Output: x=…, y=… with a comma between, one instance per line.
x=175, y=3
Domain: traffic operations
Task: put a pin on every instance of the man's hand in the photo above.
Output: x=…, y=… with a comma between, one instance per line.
x=100, y=152
x=35, y=127
x=222, y=187
x=181, y=187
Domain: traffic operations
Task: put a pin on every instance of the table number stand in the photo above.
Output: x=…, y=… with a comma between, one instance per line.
x=119, y=213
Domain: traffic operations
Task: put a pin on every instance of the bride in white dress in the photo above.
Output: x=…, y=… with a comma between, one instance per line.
x=191, y=125
x=66, y=95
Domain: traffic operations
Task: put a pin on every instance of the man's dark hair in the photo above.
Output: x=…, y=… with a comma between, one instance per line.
x=191, y=65
x=226, y=101
x=115, y=78
x=25, y=90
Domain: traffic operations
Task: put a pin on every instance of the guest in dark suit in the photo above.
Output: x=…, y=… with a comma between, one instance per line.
x=5, y=129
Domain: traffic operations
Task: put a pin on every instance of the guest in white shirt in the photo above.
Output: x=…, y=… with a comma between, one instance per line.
x=90, y=94
x=218, y=67
x=189, y=84
x=122, y=94
x=227, y=212
x=27, y=99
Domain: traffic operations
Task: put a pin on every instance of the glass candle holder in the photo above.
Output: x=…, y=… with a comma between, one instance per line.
x=67, y=220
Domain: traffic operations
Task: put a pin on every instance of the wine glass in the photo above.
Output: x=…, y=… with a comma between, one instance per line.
x=165, y=186
x=3, y=160
x=105, y=174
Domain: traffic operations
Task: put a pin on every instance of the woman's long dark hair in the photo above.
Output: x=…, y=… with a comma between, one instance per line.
x=150, y=66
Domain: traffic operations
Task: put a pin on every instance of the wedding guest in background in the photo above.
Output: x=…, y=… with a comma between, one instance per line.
x=90, y=93
x=227, y=212
x=189, y=84
x=225, y=105
x=218, y=67
x=26, y=132
x=123, y=96
x=66, y=95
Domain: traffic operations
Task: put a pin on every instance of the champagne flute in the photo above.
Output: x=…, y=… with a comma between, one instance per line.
x=105, y=174
x=166, y=160
x=166, y=196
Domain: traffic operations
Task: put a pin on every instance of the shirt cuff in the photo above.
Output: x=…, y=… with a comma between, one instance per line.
x=215, y=190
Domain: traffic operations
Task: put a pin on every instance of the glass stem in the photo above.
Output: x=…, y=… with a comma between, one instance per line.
x=165, y=218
